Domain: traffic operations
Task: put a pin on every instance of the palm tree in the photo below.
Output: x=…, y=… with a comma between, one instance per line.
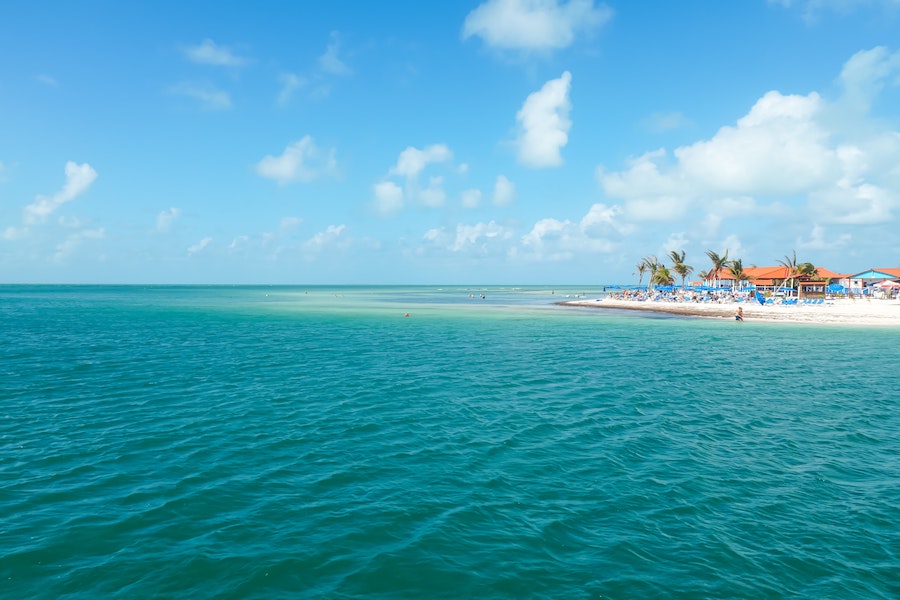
x=678, y=265
x=641, y=269
x=737, y=270
x=790, y=263
x=805, y=270
x=662, y=276
x=651, y=264
x=717, y=263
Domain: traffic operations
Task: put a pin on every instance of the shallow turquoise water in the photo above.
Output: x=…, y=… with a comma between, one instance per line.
x=230, y=442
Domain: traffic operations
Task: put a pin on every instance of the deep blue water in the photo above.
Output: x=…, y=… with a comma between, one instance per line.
x=252, y=442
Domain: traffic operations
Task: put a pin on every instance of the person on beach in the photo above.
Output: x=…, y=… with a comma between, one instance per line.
x=739, y=315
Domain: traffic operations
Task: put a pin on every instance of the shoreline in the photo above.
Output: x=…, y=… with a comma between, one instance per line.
x=885, y=313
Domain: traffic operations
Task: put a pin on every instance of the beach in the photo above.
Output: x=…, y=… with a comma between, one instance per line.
x=831, y=312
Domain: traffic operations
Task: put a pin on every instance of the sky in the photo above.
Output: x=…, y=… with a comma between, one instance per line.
x=465, y=142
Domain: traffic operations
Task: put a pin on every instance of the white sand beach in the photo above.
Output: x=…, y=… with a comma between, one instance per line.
x=832, y=312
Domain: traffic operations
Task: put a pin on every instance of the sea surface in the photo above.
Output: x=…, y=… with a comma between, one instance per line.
x=317, y=442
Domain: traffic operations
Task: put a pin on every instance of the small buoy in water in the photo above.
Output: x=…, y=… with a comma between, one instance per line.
x=406, y=315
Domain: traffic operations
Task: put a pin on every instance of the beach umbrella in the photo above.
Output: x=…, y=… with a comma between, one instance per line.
x=888, y=285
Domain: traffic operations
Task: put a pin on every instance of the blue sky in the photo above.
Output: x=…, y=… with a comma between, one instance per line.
x=465, y=142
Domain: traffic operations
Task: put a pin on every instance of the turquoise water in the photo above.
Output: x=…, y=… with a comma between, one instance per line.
x=251, y=442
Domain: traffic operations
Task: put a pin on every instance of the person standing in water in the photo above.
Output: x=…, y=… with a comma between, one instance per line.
x=739, y=315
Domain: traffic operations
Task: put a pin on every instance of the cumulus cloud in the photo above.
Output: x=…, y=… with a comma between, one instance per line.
x=78, y=179
x=544, y=122
x=412, y=161
x=210, y=53
x=534, y=25
x=791, y=159
x=323, y=240
x=476, y=238
x=598, y=232
x=779, y=147
x=504, y=191
x=388, y=197
x=301, y=161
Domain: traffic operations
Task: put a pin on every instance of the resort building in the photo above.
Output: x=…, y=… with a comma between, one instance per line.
x=773, y=280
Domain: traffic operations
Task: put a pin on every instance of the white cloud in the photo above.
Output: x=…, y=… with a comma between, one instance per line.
x=199, y=246
x=504, y=191
x=329, y=62
x=819, y=239
x=555, y=240
x=165, y=219
x=534, y=24
x=471, y=198
x=333, y=235
x=545, y=124
x=861, y=204
x=209, y=53
x=866, y=74
x=78, y=179
x=412, y=161
x=601, y=219
x=779, y=148
x=208, y=96
x=300, y=161
x=388, y=197
x=473, y=236
x=469, y=238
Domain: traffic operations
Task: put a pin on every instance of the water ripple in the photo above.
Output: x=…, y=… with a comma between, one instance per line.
x=229, y=451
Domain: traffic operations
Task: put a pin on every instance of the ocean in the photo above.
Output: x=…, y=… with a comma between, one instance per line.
x=425, y=442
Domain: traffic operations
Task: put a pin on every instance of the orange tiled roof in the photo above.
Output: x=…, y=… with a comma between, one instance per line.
x=763, y=275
